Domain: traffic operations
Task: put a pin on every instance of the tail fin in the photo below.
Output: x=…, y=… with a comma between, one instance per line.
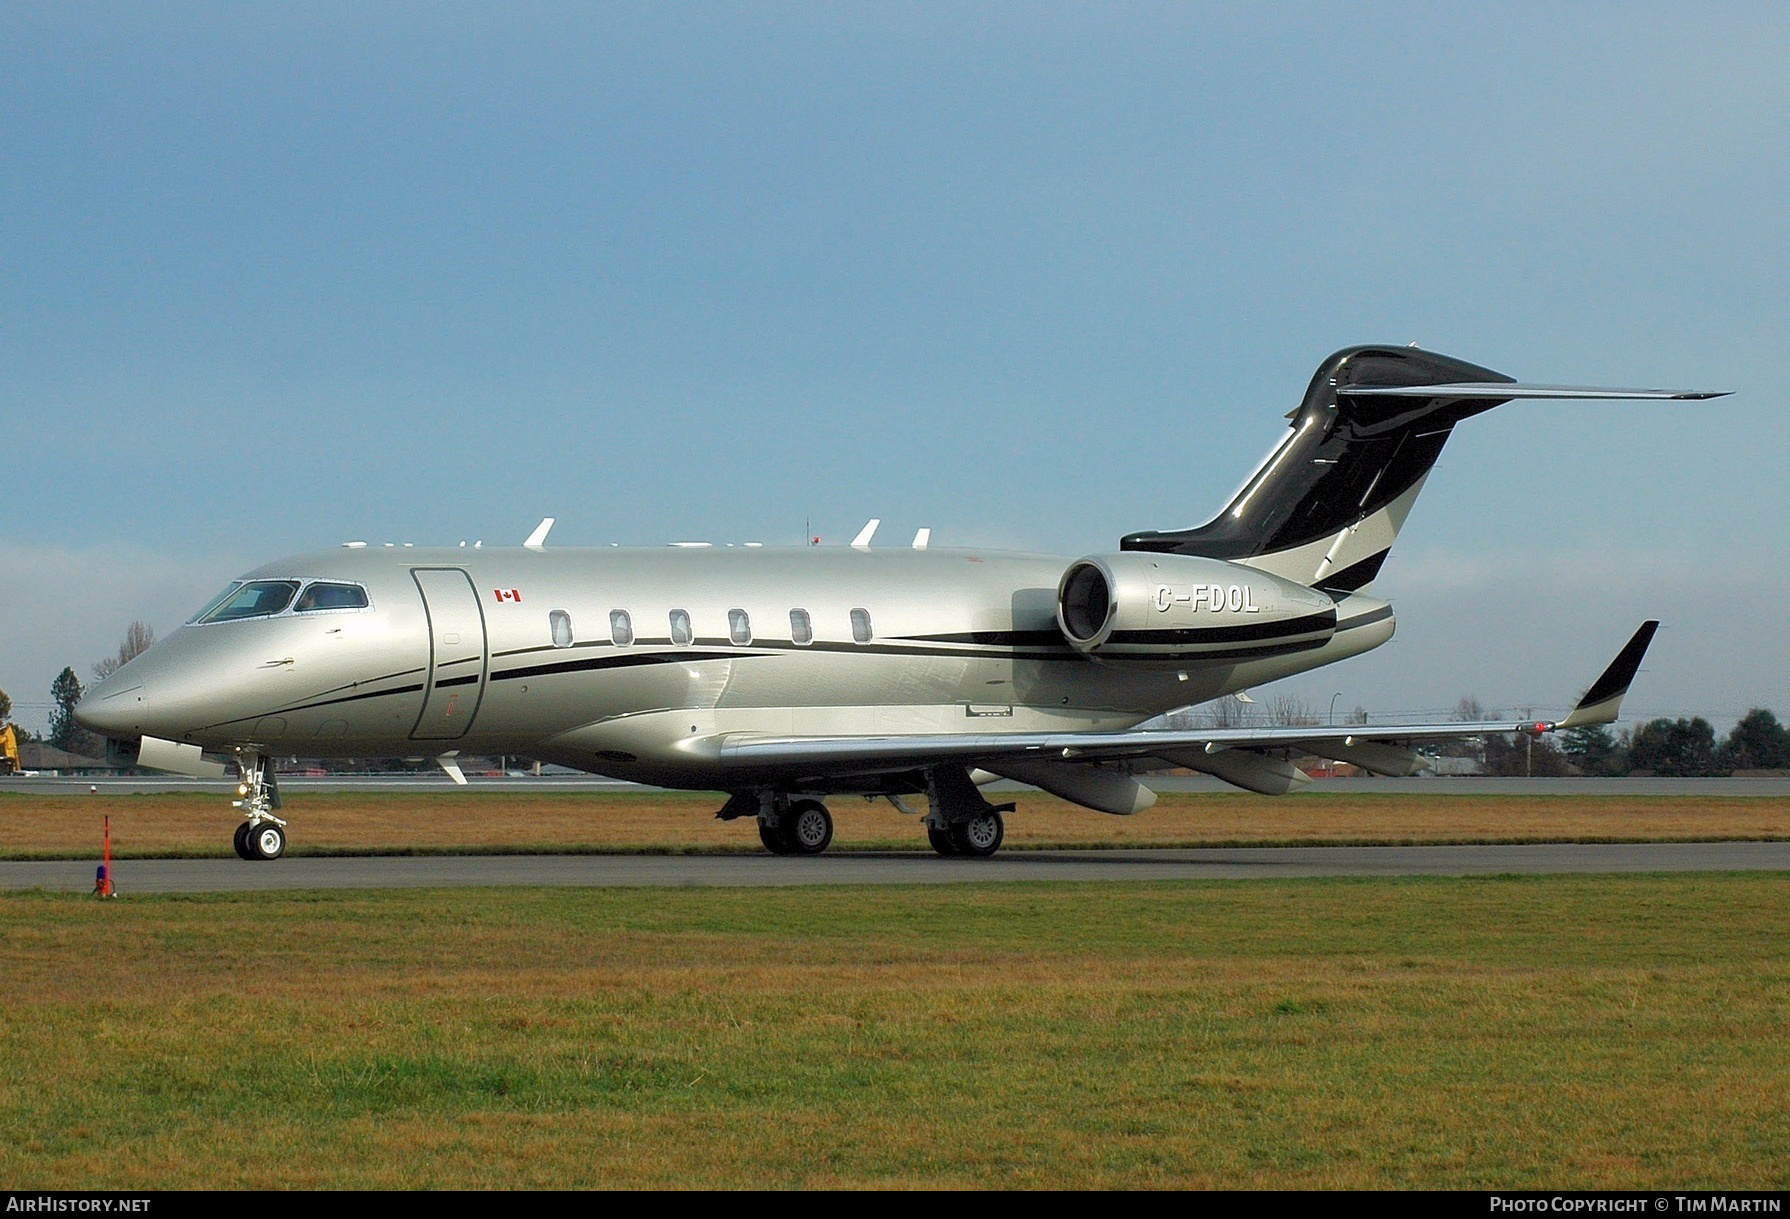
x=1325, y=506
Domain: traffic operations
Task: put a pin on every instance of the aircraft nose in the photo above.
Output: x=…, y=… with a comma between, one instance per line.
x=114, y=708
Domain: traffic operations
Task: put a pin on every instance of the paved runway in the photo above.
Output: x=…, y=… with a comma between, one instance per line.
x=410, y=872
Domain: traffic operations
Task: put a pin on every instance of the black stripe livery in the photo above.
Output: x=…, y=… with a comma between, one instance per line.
x=1347, y=459
x=1622, y=670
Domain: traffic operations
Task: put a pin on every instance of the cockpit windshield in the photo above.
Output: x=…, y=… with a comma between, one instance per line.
x=325, y=596
x=214, y=603
x=255, y=599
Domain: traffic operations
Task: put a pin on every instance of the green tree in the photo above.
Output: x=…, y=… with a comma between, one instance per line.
x=1521, y=754
x=1592, y=749
x=65, y=692
x=1758, y=742
x=1679, y=748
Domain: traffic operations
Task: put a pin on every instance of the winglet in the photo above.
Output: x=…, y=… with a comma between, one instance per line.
x=862, y=541
x=1603, y=700
x=538, y=538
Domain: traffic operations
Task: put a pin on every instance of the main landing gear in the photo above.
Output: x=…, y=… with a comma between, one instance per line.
x=801, y=827
x=261, y=835
x=959, y=822
x=978, y=836
x=785, y=826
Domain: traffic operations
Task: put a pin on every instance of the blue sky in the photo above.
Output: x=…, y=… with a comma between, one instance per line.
x=1031, y=275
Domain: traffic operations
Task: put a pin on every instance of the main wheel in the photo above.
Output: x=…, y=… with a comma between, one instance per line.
x=267, y=841
x=979, y=836
x=772, y=837
x=242, y=841
x=807, y=827
x=941, y=841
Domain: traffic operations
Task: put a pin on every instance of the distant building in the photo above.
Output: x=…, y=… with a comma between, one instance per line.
x=36, y=755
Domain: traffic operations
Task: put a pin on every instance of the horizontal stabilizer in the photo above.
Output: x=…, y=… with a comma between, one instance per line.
x=1325, y=506
x=1603, y=701
x=1505, y=390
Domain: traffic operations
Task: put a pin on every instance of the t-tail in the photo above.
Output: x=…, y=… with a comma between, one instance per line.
x=1326, y=505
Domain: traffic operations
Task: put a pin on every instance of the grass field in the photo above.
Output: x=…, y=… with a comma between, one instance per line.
x=1541, y=1032
x=365, y=822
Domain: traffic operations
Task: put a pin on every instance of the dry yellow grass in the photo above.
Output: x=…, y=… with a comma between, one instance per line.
x=189, y=824
x=1546, y=1032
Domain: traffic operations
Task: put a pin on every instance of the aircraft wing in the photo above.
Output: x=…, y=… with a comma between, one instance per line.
x=1254, y=758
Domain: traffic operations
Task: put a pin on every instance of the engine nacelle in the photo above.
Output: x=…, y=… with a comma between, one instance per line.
x=1142, y=606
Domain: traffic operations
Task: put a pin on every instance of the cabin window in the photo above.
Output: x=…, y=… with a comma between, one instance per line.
x=621, y=628
x=801, y=627
x=860, y=625
x=682, y=634
x=560, y=623
x=321, y=596
x=739, y=627
x=256, y=599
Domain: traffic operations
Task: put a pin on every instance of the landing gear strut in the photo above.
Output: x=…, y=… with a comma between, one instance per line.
x=960, y=822
x=261, y=835
x=788, y=827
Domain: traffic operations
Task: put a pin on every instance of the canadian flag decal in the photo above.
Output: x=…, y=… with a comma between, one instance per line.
x=508, y=594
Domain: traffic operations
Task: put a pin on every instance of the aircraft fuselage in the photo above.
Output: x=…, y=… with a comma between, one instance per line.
x=638, y=662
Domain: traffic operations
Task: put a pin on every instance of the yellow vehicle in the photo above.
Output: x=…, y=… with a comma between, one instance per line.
x=9, y=751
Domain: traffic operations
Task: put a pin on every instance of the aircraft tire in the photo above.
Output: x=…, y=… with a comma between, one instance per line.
x=979, y=837
x=242, y=841
x=773, y=839
x=807, y=827
x=941, y=841
x=267, y=841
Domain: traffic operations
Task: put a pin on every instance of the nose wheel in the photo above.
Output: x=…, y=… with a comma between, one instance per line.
x=261, y=835
x=264, y=841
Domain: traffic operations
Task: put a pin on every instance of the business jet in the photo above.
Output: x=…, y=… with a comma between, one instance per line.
x=783, y=676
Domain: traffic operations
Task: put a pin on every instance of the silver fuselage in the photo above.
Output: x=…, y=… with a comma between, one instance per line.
x=457, y=651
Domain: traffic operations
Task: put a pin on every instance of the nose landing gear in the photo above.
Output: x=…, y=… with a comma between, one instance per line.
x=262, y=835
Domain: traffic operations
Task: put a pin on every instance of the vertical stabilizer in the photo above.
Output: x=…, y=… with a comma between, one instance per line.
x=1325, y=506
